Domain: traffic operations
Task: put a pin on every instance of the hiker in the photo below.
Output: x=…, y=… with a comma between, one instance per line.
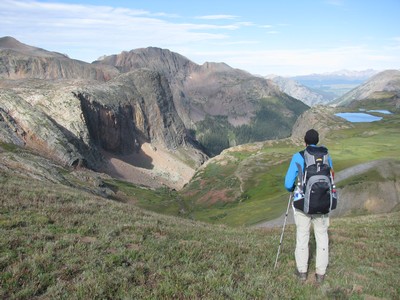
x=303, y=220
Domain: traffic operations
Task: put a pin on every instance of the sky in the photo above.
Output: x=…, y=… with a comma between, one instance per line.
x=281, y=37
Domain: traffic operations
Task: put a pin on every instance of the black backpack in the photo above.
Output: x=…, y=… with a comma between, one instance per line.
x=317, y=184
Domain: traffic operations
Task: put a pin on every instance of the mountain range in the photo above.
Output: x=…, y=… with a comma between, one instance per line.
x=216, y=101
x=150, y=116
x=299, y=91
x=322, y=88
x=134, y=106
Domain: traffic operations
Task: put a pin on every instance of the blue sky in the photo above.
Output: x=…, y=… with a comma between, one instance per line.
x=262, y=37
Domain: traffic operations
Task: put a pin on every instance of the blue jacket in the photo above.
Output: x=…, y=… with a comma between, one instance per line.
x=291, y=174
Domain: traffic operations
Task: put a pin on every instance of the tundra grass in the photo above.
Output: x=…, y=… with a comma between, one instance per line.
x=161, y=200
x=61, y=243
x=263, y=197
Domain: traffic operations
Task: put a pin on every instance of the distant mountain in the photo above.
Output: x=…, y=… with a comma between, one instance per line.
x=384, y=87
x=10, y=43
x=19, y=61
x=337, y=77
x=335, y=84
x=293, y=88
x=222, y=105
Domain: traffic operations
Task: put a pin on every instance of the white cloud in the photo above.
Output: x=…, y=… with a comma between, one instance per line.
x=99, y=29
x=87, y=32
x=303, y=61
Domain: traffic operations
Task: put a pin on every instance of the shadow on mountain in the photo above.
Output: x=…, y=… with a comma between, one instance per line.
x=137, y=159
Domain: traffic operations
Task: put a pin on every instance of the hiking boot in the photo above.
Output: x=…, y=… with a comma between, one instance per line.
x=319, y=278
x=301, y=276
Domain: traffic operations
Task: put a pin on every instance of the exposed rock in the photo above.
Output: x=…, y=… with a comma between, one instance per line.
x=72, y=111
x=37, y=130
x=10, y=132
x=212, y=89
x=19, y=61
x=217, y=89
x=134, y=108
x=73, y=121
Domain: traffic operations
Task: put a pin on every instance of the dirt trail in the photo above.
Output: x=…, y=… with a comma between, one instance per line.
x=339, y=176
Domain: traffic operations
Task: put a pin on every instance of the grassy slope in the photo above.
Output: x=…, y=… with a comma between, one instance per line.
x=264, y=197
x=61, y=243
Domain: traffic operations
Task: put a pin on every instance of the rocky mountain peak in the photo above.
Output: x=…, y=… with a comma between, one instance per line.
x=10, y=43
x=162, y=60
x=20, y=61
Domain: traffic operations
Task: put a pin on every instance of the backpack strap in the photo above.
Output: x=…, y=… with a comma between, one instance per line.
x=299, y=173
x=309, y=158
x=303, y=172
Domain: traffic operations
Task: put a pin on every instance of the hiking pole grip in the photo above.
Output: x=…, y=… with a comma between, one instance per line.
x=283, y=230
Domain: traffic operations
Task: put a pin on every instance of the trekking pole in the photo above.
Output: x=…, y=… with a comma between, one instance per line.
x=283, y=229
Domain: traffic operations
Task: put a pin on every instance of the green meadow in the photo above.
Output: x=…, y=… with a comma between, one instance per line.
x=57, y=242
x=61, y=242
x=263, y=197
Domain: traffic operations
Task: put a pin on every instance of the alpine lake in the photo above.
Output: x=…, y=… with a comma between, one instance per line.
x=357, y=117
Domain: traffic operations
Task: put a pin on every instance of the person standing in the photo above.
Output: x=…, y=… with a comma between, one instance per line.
x=304, y=220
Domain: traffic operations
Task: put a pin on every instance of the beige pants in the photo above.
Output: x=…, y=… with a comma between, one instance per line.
x=321, y=224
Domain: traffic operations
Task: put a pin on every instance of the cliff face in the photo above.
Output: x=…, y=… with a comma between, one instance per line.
x=25, y=124
x=217, y=102
x=73, y=122
x=134, y=108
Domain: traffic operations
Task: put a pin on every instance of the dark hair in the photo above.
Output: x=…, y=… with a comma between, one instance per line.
x=311, y=137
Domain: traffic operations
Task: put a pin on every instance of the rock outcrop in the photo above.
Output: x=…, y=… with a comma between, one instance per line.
x=134, y=108
x=29, y=126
